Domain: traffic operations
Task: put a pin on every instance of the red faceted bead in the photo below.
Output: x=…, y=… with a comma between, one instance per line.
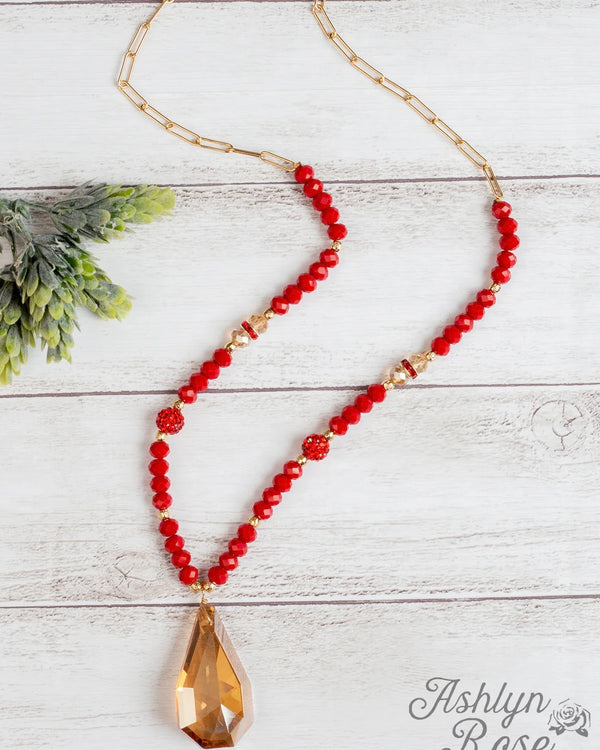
x=282, y=483
x=329, y=258
x=222, y=357
x=351, y=414
x=218, y=575
x=159, y=467
x=174, y=543
x=238, y=547
x=263, y=509
x=168, y=526
x=319, y=271
x=501, y=209
x=452, y=334
x=272, y=495
x=315, y=447
x=506, y=259
x=292, y=294
x=322, y=201
x=338, y=425
x=199, y=382
x=228, y=560
x=500, y=275
x=330, y=215
x=312, y=187
x=187, y=394
x=376, y=393
x=159, y=449
x=292, y=469
x=170, y=420
x=475, y=310
x=160, y=484
x=162, y=500
x=306, y=282
x=337, y=231
x=507, y=226
x=509, y=242
x=303, y=173
x=188, y=575
x=464, y=323
x=280, y=305
x=247, y=533
x=440, y=346
x=210, y=369
x=486, y=297
x=181, y=558
x=363, y=403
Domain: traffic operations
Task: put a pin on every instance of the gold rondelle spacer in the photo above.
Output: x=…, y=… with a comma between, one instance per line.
x=208, y=586
x=231, y=347
x=269, y=313
x=162, y=514
x=388, y=385
x=178, y=404
x=302, y=460
x=431, y=355
x=329, y=434
x=161, y=435
x=336, y=245
x=196, y=586
x=254, y=521
x=495, y=287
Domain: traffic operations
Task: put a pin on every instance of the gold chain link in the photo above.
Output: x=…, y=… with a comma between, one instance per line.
x=411, y=100
x=187, y=135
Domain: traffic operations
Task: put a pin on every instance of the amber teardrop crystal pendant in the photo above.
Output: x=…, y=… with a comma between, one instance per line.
x=213, y=692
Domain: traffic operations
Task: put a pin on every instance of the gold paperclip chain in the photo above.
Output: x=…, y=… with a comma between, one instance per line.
x=413, y=102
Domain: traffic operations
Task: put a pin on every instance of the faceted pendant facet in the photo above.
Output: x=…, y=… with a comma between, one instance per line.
x=213, y=693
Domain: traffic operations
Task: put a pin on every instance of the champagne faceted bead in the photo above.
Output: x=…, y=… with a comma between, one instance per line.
x=398, y=376
x=419, y=362
x=240, y=338
x=259, y=323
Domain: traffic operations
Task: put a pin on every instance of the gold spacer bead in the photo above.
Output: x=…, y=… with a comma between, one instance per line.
x=208, y=586
x=162, y=514
x=254, y=521
x=388, y=385
x=161, y=435
x=196, y=586
x=178, y=404
x=269, y=313
x=231, y=346
x=495, y=287
x=329, y=434
x=336, y=245
x=302, y=460
x=430, y=355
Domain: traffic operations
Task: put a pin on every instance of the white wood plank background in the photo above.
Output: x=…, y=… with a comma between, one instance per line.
x=454, y=532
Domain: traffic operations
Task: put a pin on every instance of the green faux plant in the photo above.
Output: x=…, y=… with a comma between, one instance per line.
x=50, y=273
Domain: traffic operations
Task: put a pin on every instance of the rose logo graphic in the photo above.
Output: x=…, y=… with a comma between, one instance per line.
x=570, y=717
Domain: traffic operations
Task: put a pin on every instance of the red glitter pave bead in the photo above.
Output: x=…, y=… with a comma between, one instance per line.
x=160, y=484
x=282, y=483
x=159, y=449
x=188, y=575
x=306, y=282
x=280, y=305
x=464, y=323
x=338, y=425
x=222, y=357
x=181, y=558
x=509, y=242
x=303, y=173
x=452, y=334
x=507, y=226
x=322, y=201
x=475, y=310
x=174, y=543
x=506, y=259
x=486, y=297
x=162, y=500
x=376, y=393
x=247, y=533
x=272, y=495
x=218, y=575
x=501, y=209
x=292, y=294
x=312, y=187
x=329, y=257
x=363, y=403
x=500, y=275
x=199, y=382
x=409, y=369
x=168, y=526
x=337, y=232
x=187, y=394
x=249, y=330
x=292, y=469
x=263, y=510
x=315, y=447
x=238, y=547
x=210, y=369
x=351, y=414
x=319, y=271
x=170, y=420
x=330, y=215
x=440, y=346
x=159, y=467
x=228, y=561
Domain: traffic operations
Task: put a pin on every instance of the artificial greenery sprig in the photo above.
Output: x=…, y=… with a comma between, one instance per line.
x=50, y=273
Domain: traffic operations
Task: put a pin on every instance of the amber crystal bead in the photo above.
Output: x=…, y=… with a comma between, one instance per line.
x=170, y=420
x=315, y=447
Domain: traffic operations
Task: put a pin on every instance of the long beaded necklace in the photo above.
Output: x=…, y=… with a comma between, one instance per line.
x=213, y=693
